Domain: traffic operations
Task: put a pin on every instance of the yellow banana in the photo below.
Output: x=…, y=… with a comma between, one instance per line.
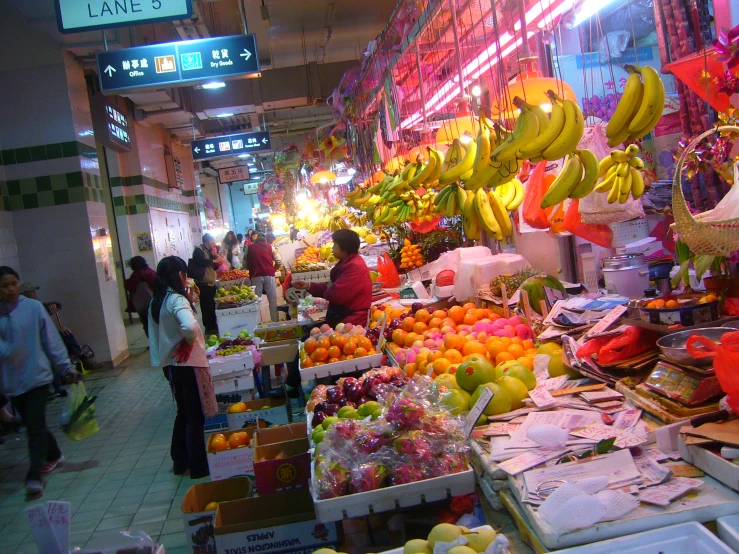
x=619, y=156
x=486, y=216
x=451, y=157
x=462, y=167
x=526, y=130
x=501, y=214
x=625, y=183
x=627, y=107
x=590, y=174
x=480, y=178
x=547, y=135
x=615, y=191
x=451, y=202
x=637, y=183
x=566, y=181
x=506, y=193
x=423, y=175
x=541, y=115
x=483, y=149
x=605, y=164
x=439, y=161
x=632, y=150
x=461, y=197
x=622, y=169
x=571, y=133
x=652, y=105
x=469, y=218
x=519, y=196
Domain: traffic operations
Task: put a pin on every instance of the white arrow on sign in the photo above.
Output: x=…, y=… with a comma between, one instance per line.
x=197, y=149
x=109, y=70
x=246, y=55
x=264, y=141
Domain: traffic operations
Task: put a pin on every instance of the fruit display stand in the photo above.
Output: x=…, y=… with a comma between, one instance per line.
x=714, y=465
x=711, y=501
x=234, y=319
x=340, y=368
x=228, y=367
x=323, y=276
x=400, y=550
x=229, y=284
x=391, y=498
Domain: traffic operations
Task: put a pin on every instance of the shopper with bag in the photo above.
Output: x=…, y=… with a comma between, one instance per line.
x=31, y=351
x=231, y=250
x=177, y=345
x=139, y=287
x=202, y=268
x=262, y=260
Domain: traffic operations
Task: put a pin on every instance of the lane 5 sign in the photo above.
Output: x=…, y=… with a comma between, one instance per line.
x=74, y=16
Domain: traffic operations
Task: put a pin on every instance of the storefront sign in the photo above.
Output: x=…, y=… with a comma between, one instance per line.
x=178, y=63
x=110, y=124
x=251, y=188
x=75, y=16
x=233, y=174
x=228, y=145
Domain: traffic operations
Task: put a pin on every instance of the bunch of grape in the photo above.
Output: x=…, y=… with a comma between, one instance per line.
x=602, y=108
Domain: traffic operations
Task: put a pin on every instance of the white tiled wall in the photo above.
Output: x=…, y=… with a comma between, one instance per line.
x=8, y=248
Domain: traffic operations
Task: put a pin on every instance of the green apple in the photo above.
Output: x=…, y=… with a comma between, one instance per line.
x=347, y=412
x=461, y=550
x=548, y=348
x=515, y=388
x=500, y=403
x=480, y=540
x=329, y=421
x=317, y=435
x=367, y=408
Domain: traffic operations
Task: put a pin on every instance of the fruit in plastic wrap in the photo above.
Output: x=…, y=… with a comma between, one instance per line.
x=369, y=477
x=333, y=479
x=406, y=473
x=405, y=413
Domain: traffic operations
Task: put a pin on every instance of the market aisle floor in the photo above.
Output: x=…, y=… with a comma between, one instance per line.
x=121, y=478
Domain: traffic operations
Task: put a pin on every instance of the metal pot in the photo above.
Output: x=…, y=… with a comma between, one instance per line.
x=627, y=275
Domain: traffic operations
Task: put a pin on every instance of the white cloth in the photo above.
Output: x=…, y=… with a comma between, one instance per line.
x=268, y=286
x=176, y=322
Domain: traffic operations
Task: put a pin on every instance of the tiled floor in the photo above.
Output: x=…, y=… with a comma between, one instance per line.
x=121, y=478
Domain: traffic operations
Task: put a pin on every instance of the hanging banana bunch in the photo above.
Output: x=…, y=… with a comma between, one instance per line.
x=622, y=175
x=640, y=107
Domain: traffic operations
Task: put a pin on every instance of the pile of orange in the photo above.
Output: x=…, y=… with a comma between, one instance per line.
x=333, y=348
x=218, y=441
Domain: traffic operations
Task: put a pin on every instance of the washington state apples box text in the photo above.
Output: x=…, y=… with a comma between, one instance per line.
x=282, y=522
x=199, y=523
x=275, y=412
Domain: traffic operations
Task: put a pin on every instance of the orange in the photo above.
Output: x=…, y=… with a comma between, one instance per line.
x=410, y=369
x=505, y=340
x=480, y=313
x=420, y=328
x=349, y=357
x=516, y=340
x=334, y=352
x=482, y=336
x=408, y=324
x=236, y=440
x=469, y=306
x=217, y=443
x=453, y=355
x=469, y=318
x=526, y=362
x=323, y=342
x=473, y=347
x=515, y=350
x=360, y=352
x=335, y=338
x=503, y=357
x=527, y=343
x=441, y=365
x=410, y=338
x=435, y=356
x=454, y=341
x=531, y=351
x=671, y=304
x=364, y=342
x=349, y=348
x=441, y=314
x=495, y=347
x=399, y=337
x=456, y=313
x=310, y=345
x=332, y=360
x=306, y=362
x=448, y=321
x=320, y=355
x=423, y=316
x=435, y=323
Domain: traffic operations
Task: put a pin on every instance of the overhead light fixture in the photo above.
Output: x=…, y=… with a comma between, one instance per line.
x=588, y=9
x=476, y=90
x=224, y=115
x=351, y=171
x=213, y=85
x=244, y=156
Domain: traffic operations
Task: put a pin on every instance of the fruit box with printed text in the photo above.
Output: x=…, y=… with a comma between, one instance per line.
x=281, y=458
x=272, y=411
x=282, y=522
x=231, y=462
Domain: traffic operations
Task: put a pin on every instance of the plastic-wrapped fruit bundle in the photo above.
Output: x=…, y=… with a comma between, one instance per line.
x=415, y=438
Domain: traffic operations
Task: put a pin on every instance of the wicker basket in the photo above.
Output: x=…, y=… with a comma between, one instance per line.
x=713, y=238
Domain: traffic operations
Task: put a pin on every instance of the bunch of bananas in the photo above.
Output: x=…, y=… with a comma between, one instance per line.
x=340, y=211
x=450, y=200
x=488, y=210
x=357, y=220
x=576, y=180
x=335, y=223
x=621, y=172
x=640, y=107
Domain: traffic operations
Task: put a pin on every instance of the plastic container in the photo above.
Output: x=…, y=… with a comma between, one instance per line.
x=233, y=320
x=626, y=275
x=728, y=530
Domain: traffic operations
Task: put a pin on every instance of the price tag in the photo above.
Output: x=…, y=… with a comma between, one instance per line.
x=60, y=518
x=607, y=321
x=482, y=402
x=43, y=535
x=542, y=398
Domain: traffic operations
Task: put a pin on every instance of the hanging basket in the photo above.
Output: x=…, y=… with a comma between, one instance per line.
x=712, y=238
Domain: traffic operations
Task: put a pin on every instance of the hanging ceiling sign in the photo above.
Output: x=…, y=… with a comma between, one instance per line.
x=76, y=16
x=178, y=63
x=110, y=124
x=233, y=174
x=228, y=145
x=251, y=188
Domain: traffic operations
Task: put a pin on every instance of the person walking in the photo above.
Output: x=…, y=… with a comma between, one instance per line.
x=203, y=270
x=140, y=286
x=178, y=347
x=262, y=261
x=231, y=250
x=31, y=351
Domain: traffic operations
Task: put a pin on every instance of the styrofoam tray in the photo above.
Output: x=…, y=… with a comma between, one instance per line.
x=340, y=368
x=483, y=466
x=234, y=383
x=400, y=550
x=728, y=531
x=686, y=538
x=323, y=276
x=710, y=462
x=226, y=367
x=390, y=498
x=711, y=501
x=247, y=308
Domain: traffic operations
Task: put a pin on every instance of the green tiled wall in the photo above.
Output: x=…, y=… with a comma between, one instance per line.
x=143, y=180
x=140, y=204
x=46, y=152
x=50, y=190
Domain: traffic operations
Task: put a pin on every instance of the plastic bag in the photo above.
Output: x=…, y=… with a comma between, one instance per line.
x=533, y=214
x=388, y=273
x=78, y=420
x=725, y=361
x=121, y=541
x=602, y=235
x=731, y=306
x=557, y=219
x=629, y=344
x=592, y=346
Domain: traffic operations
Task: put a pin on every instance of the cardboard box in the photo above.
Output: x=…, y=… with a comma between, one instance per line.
x=290, y=471
x=281, y=433
x=283, y=522
x=198, y=522
x=272, y=411
x=279, y=352
x=285, y=330
x=225, y=398
x=238, y=462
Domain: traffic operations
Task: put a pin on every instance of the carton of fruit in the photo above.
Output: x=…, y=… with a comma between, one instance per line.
x=270, y=411
x=230, y=454
x=285, y=330
x=199, y=509
x=282, y=466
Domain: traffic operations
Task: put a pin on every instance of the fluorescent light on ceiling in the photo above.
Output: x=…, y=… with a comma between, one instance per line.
x=213, y=85
x=588, y=9
x=224, y=115
x=244, y=156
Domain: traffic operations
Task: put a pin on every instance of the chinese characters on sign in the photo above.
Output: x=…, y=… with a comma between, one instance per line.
x=233, y=174
x=215, y=147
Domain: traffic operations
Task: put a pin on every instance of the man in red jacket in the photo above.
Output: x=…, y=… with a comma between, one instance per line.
x=261, y=261
x=349, y=293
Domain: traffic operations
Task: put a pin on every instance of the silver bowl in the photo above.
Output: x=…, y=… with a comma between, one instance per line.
x=673, y=346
